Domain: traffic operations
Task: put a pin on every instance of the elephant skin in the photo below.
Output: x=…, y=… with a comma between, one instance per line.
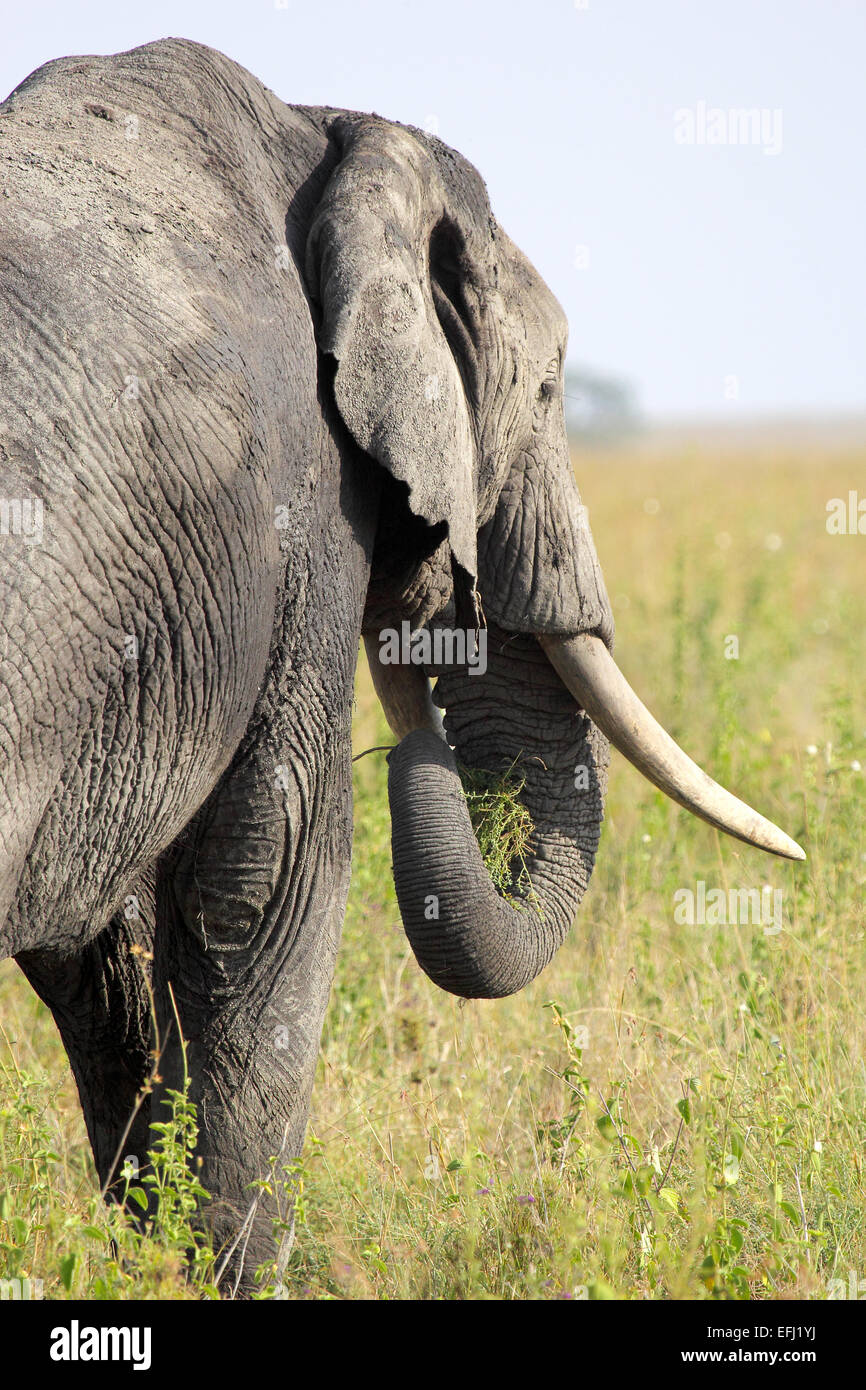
x=272, y=378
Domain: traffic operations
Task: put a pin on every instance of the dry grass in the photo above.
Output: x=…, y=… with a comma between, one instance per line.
x=688, y=1120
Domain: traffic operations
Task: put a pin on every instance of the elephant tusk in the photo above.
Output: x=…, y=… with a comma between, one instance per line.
x=588, y=670
x=404, y=694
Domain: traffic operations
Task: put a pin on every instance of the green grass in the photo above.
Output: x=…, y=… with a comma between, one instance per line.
x=502, y=826
x=671, y=1111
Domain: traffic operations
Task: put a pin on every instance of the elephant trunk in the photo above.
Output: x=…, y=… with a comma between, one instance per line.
x=467, y=937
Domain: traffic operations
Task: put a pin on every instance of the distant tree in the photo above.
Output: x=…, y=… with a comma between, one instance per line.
x=599, y=408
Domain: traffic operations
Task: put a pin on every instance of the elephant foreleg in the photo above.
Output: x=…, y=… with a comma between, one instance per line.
x=250, y=907
x=101, y=1001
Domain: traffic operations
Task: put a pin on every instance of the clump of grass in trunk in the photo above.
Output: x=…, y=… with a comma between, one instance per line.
x=503, y=827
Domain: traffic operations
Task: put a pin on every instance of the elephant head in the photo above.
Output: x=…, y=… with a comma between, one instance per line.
x=446, y=353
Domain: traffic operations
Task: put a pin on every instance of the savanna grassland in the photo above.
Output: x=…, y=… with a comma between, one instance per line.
x=672, y=1110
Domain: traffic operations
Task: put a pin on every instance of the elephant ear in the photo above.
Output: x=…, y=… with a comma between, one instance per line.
x=397, y=385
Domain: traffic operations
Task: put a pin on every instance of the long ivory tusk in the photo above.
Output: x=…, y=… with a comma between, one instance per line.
x=404, y=694
x=589, y=671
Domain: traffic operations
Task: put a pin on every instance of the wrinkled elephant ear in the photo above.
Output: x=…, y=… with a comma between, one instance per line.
x=397, y=385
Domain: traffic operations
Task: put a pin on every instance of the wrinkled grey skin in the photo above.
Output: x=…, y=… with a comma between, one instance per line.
x=279, y=378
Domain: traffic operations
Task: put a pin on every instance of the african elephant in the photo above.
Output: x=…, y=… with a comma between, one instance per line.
x=273, y=378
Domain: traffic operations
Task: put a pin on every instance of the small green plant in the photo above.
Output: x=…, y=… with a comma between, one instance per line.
x=558, y=1135
x=286, y=1185
x=176, y=1194
x=502, y=825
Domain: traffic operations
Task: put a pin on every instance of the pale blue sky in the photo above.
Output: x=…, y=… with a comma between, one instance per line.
x=702, y=263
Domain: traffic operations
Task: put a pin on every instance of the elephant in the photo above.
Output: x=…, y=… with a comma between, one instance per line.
x=274, y=380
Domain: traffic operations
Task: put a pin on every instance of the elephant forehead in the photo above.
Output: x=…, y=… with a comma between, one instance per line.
x=531, y=297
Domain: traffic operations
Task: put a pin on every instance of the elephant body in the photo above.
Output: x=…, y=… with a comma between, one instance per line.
x=138, y=331
x=271, y=378
x=207, y=537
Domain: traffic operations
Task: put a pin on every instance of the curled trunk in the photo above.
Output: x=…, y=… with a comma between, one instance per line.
x=468, y=938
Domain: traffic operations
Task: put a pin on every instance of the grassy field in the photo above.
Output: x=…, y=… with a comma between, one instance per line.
x=671, y=1111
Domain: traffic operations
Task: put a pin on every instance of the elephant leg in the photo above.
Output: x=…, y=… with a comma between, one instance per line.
x=101, y=1001
x=250, y=907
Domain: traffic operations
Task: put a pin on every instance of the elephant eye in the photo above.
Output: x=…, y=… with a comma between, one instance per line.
x=550, y=386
